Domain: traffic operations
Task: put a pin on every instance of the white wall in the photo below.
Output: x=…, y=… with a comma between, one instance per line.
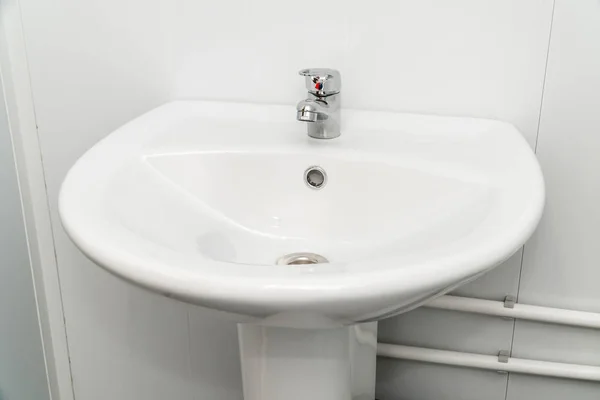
x=560, y=267
x=560, y=263
x=22, y=367
x=95, y=65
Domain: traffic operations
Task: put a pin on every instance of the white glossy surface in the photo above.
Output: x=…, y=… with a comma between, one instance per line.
x=300, y=364
x=87, y=84
x=549, y=315
x=480, y=361
x=471, y=58
x=414, y=206
x=560, y=266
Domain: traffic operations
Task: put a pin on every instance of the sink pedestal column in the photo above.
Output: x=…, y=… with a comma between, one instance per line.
x=308, y=364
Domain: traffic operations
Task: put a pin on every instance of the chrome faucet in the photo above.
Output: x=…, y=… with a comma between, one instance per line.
x=322, y=107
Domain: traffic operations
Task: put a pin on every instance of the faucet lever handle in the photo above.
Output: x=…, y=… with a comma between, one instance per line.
x=322, y=81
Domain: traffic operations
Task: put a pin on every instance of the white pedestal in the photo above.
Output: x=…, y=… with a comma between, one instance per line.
x=308, y=364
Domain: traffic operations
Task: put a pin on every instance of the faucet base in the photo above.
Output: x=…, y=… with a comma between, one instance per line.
x=320, y=130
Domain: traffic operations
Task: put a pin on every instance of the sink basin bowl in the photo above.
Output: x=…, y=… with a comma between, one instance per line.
x=305, y=242
x=199, y=200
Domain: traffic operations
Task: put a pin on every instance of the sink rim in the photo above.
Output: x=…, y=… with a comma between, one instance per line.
x=220, y=290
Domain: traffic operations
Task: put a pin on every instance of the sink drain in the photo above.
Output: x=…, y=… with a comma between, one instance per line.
x=315, y=177
x=301, y=259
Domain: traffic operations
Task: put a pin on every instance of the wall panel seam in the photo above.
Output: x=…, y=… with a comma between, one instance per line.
x=537, y=135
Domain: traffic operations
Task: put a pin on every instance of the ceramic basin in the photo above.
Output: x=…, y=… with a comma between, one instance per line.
x=198, y=200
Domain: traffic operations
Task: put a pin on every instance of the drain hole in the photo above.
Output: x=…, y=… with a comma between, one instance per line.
x=301, y=259
x=315, y=177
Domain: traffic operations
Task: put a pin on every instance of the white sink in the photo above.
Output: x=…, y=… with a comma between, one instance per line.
x=199, y=200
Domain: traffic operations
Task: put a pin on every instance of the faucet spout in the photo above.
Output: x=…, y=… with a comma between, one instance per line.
x=306, y=116
x=310, y=111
